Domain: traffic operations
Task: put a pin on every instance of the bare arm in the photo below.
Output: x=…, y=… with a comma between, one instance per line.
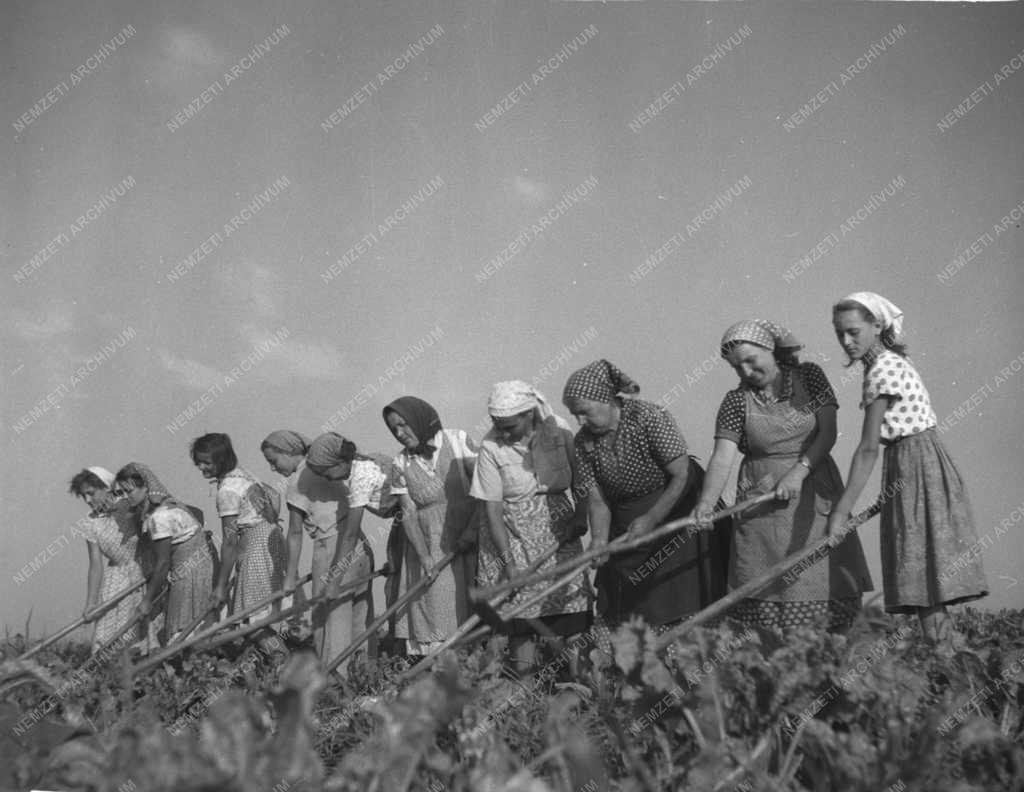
x=228, y=556
x=95, y=577
x=157, y=580
x=791, y=483
x=722, y=459
x=499, y=533
x=600, y=516
x=863, y=462
x=295, y=520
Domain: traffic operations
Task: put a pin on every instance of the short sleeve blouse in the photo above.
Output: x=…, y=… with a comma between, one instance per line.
x=323, y=503
x=171, y=522
x=911, y=411
x=365, y=484
x=631, y=461
x=233, y=497
x=732, y=413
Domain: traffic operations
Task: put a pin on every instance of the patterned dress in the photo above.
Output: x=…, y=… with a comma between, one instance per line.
x=772, y=434
x=115, y=536
x=927, y=534
x=261, y=552
x=668, y=579
x=535, y=520
x=439, y=488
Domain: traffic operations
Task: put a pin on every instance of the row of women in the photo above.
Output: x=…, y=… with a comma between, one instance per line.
x=532, y=485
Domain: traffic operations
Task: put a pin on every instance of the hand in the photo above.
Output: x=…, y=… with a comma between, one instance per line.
x=702, y=514
x=791, y=484
x=144, y=608
x=599, y=562
x=641, y=526
x=836, y=523
x=509, y=572
x=217, y=599
x=288, y=587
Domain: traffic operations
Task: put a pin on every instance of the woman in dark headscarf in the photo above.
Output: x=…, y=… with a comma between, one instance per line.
x=431, y=477
x=633, y=464
x=782, y=419
x=184, y=557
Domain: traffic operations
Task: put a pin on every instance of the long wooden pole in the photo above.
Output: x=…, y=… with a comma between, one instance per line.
x=96, y=612
x=134, y=620
x=414, y=591
x=467, y=630
x=797, y=563
x=620, y=545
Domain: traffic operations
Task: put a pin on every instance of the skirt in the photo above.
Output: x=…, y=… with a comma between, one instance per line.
x=116, y=578
x=929, y=547
x=190, y=581
x=261, y=565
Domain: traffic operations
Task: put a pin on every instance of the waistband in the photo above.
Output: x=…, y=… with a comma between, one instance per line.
x=887, y=443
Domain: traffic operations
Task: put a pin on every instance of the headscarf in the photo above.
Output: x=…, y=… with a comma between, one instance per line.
x=599, y=381
x=158, y=493
x=422, y=419
x=882, y=309
x=103, y=475
x=288, y=442
x=769, y=335
x=513, y=397
x=327, y=451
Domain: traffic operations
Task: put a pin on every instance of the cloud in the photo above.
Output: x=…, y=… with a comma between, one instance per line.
x=527, y=191
x=251, y=287
x=56, y=319
x=296, y=359
x=190, y=373
x=185, y=47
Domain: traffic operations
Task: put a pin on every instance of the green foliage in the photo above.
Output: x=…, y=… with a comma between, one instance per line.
x=729, y=709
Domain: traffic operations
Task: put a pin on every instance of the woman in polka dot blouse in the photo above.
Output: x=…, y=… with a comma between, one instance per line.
x=782, y=419
x=927, y=530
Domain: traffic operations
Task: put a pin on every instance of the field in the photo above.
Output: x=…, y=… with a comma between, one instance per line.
x=727, y=710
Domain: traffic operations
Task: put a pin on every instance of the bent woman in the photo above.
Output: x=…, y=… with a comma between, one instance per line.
x=114, y=552
x=524, y=474
x=633, y=464
x=431, y=478
x=184, y=560
x=782, y=419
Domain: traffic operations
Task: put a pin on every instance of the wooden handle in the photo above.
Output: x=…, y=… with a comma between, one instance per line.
x=803, y=559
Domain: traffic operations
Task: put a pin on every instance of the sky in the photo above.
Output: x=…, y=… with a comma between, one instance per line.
x=258, y=215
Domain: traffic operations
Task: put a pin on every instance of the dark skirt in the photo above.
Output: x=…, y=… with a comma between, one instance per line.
x=671, y=578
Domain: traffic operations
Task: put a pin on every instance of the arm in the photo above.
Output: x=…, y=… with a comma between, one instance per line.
x=722, y=459
x=157, y=581
x=348, y=537
x=790, y=485
x=678, y=470
x=499, y=533
x=295, y=520
x=411, y=526
x=863, y=463
x=228, y=556
x=95, y=578
x=600, y=520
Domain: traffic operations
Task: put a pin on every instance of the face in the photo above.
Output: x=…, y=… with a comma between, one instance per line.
x=279, y=462
x=596, y=417
x=204, y=461
x=754, y=364
x=99, y=500
x=337, y=472
x=855, y=334
x=400, y=429
x=135, y=494
x=513, y=428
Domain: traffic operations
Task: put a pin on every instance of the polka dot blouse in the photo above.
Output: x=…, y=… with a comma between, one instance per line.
x=911, y=410
x=732, y=414
x=630, y=462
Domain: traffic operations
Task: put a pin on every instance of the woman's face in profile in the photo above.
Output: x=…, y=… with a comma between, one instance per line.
x=513, y=428
x=402, y=431
x=595, y=416
x=754, y=364
x=99, y=500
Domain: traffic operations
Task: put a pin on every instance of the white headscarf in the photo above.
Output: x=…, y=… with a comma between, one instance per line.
x=103, y=475
x=882, y=309
x=515, y=396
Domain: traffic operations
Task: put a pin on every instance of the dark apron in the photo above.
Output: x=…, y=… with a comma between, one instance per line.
x=671, y=578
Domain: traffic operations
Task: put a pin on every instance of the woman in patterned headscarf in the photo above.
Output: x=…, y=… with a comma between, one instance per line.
x=633, y=463
x=524, y=474
x=431, y=478
x=184, y=559
x=782, y=419
x=114, y=551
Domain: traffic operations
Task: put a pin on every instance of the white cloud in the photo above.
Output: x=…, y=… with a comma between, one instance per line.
x=297, y=359
x=190, y=373
x=527, y=191
x=252, y=287
x=56, y=319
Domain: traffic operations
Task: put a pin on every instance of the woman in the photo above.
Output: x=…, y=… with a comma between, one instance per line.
x=252, y=536
x=782, y=419
x=634, y=466
x=110, y=536
x=330, y=490
x=431, y=478
x=184, y=559
x=524, y=474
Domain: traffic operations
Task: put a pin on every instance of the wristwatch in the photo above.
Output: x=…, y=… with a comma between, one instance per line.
x=803, y=460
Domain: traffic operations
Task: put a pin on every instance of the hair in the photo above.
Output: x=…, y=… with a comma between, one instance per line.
x=887, y=336
x=218, y=446
x=130, y=475
x=83, y=479
x=784, y=356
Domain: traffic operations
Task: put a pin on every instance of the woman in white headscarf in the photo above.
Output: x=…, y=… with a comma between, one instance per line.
x=524, y=474
x=114, y=552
